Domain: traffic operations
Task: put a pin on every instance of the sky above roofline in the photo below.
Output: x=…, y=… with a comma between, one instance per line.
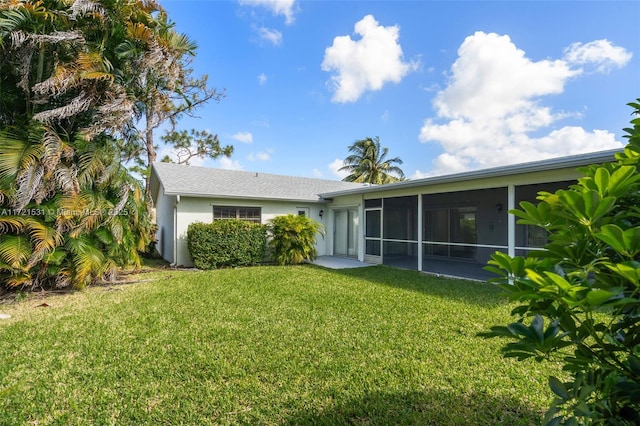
x=447, y=86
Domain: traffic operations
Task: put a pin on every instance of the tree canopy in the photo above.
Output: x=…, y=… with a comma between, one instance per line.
x=75, y=79
x=368, y=163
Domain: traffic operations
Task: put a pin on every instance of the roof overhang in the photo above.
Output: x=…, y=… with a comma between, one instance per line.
x=574, y=161
x=244, y=197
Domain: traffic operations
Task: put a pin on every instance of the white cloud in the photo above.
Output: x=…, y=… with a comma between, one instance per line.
x=262, y=79
x=286, y=8
x=601, y=53
x=385, y=116
x=365, y=64
x=270, y=35
x=335, y=165
x=492, y=106
x=317, y=173
x=419, y=175
x=260, y=156
x=244, y=137
x=229, y=164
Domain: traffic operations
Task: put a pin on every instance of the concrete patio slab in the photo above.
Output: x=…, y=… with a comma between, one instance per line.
x=333, y=262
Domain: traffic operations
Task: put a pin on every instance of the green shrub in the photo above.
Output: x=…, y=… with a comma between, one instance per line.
x=293, y=239
x=581, y=295
x=226, y=243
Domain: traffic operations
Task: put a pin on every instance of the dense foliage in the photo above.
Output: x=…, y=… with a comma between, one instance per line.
x=226, y=243
x=293, y=239
x=581, y=295
x=71, y=79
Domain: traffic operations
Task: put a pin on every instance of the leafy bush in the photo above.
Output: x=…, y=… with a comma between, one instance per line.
x=581, y=295
x=226, y=243
x=293, y=239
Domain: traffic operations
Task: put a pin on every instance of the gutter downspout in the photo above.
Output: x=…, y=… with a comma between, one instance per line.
x=175, y=231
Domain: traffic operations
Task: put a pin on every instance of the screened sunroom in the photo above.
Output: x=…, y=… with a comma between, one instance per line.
x=452, y=224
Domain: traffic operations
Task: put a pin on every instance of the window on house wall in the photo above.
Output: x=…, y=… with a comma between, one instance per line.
x=251, y=214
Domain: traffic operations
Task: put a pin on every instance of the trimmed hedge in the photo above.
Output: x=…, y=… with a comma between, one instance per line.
x=226, y=243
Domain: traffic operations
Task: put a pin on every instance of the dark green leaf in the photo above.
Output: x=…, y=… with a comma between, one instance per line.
x=558, y=388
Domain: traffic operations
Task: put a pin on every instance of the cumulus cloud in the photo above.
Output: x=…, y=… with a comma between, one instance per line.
x=270, y=35
x=492, y=106
x=367, y=63
x=262, y=79
x=260, y=156
x=286, y=8
x=229, y=164
x=600, y=53
x=244, y=137
x=335, y=165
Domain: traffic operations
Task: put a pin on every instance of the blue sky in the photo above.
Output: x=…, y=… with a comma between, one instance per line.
x=448, y=86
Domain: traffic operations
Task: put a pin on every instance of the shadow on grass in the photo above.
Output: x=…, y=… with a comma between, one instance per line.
x=429, y=408
x=467, y=291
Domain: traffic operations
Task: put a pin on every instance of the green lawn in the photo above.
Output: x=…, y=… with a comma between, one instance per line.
x=266, y=345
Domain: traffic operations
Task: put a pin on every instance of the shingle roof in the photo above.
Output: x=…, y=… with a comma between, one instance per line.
x=196, y=181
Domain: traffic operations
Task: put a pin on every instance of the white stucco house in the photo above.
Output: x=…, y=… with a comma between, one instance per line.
x=186, y=194
x=442, y=224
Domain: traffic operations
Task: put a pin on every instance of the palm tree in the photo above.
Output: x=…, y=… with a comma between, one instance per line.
x=71, y=213
x=368, y=163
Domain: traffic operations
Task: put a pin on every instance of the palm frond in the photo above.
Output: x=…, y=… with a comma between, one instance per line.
x=61, y=80
x=13, y=224
x=180, y=42
x=79, y=104
x=124, y=197
x=93, y=63
x=73, y=206
x=18, y=153
x=66, y=178
x=139, y=31
x=51, y=149
x=29, y=182
x=88, y=262
x=12, y=18
x=86, y=7
x=15, y=250
x=90, y=167
x=43, y=237
x=18, y=279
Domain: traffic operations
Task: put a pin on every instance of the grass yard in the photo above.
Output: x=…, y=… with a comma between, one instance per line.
x=269, y=346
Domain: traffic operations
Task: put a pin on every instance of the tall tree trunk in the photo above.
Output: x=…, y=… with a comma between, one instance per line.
x=151, y=151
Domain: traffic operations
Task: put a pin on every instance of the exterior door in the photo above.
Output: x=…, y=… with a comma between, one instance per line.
x=345, y=232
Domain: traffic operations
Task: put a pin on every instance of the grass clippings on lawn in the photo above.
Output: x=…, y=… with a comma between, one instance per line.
x=267, y=345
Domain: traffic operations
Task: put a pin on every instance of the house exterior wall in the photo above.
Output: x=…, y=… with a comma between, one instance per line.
x=165, y=222
x=193, y=209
